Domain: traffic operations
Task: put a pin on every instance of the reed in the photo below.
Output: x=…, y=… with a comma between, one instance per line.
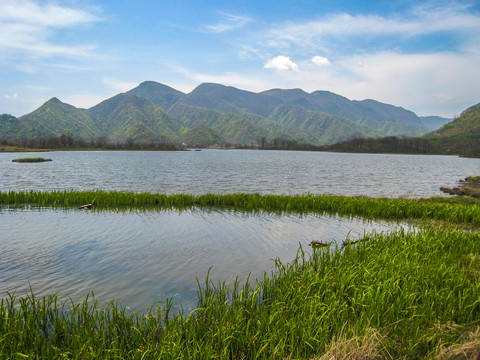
x=398, y=295
x=422, y=209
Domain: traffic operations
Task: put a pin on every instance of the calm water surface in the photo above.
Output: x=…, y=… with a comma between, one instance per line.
x=140, y=258
x=230, y=171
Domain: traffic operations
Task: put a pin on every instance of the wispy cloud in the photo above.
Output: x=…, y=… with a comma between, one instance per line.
x=420, y=21
x=27, y=28
x=11, y=97
x=228, y=22
x=281, y=63
x=49, y=15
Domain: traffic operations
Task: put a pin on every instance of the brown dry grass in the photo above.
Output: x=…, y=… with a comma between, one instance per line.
x=366, y=347
x=467, y=348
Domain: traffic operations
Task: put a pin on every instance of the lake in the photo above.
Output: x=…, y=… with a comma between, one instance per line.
x=142, y=257
x=230, y=171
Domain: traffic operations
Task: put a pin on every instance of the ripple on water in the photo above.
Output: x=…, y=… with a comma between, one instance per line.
x=221, y=171
x=140, y=258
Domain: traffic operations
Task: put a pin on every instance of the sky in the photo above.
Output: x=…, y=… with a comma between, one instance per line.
x=421, y=55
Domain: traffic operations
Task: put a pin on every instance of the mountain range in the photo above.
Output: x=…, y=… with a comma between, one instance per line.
x=217, y=114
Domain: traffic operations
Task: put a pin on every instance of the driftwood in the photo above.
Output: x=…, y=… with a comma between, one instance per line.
x=86, y=206
x=351, y=242
x=316, y=244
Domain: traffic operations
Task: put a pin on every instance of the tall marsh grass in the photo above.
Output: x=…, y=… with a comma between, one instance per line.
x=399, y=295
x=360, y=206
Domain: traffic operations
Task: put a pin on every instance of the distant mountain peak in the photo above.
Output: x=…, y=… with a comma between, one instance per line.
x=149, y=82
x=208, y=87
x=154, y=86
x=53, y=100
x=160, y=94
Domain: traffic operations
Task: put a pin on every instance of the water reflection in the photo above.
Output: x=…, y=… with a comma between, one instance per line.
x=142, y=257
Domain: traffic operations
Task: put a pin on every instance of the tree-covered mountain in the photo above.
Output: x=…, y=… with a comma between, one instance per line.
x=156, y=112
x=55, y=118
x=234, y=128
x=201, y=136
x=316, y=127
x=468, y=123
x=459, y=137
x=229, y=99
x=161, y=95
x=387, y=119
x=127, y=116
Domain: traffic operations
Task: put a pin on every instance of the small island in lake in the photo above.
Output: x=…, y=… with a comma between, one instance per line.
x=31, y=160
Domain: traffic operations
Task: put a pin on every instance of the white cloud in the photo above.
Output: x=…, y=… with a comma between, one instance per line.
x=387, y=58
x=49, y=15
x=415, y=81
x=421, y=21
x=320, y=61
x=229, y=22
x=11, y=97
x=418, y=82
x=26, y=29
x=281, y=63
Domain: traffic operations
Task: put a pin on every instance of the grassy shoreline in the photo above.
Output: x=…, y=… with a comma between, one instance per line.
x=409, y=295
x=448, y=210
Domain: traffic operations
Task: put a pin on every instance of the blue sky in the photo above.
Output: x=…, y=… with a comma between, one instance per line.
x=421, y=55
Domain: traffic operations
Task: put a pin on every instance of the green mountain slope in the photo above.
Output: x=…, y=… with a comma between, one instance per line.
x=201, y=136
x=160, y=94
x=10, y=128
x=156, y=112
x=54, y=118
x=385, y=118
x=234, y=128
x=459, y=137
x=468, y=123
x=229, y=99
x=127, y=116
x=318, y=128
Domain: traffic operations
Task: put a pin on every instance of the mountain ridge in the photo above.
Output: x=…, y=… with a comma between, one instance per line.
x=156, y=112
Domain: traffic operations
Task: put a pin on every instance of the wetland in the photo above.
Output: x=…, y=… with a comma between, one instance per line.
x=173, y=247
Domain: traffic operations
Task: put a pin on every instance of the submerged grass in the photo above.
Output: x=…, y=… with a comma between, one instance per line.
x=400, y=295
x=359, y=206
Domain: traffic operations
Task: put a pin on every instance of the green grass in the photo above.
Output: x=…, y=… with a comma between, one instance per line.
x=412, y=295
x=31, y=160
x=416, y=293
x=467, y=213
